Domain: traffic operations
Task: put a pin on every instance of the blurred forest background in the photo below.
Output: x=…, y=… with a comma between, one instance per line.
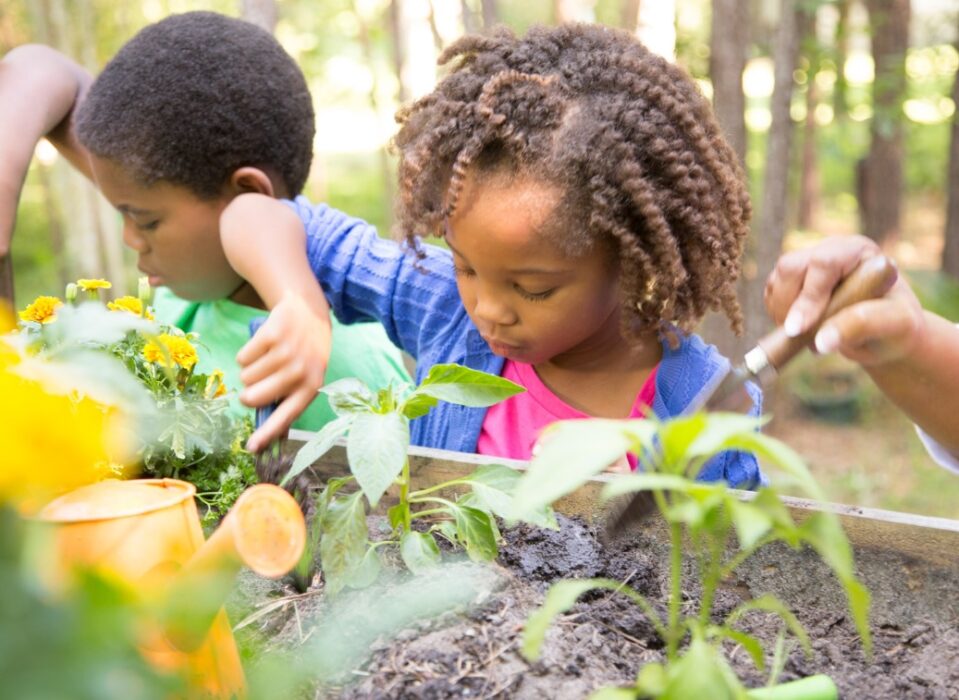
x=843, y=112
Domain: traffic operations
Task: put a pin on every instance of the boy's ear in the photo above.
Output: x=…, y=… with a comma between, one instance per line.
x=250, y=179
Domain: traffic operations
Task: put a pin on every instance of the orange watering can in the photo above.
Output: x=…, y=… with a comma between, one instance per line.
x=146, y=533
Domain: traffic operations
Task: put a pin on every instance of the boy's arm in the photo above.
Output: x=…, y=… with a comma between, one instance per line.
x=911, y=354
x=39, y=88
x=265, y=243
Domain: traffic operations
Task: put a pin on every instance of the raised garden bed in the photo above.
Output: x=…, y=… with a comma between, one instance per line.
x=470, y=646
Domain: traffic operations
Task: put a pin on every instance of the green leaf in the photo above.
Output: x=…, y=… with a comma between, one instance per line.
x=570, y=453
x=464, y=386
x=367, y=571
x=475, y=530
x=721, y=428
x=419, y=551
x=651, y=680
x=752, y=645
x=560, y=598
x=318, y=445
x=826, y=536
x=563, y=595
x=702, y=673
x=395, y=515
x=614, y=694
x=446, y=529
x=771, y=603
x=349, y=395
x=752, y=523
x=418, y=405
x=377, y=450
x=647, y=481
x=493, y=486
x=783, y=457
x=343, y=543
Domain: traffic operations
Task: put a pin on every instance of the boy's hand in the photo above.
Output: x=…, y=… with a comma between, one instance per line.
x=285, y=361
x=870, y=333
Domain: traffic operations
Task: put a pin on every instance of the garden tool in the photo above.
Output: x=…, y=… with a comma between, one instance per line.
x=146, y=534
x=270, y=462
x=871, y=279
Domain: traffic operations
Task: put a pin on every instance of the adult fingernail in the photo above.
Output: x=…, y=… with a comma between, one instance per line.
x=793, y=324
x=827, y=340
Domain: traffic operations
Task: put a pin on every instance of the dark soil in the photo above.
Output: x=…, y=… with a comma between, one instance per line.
x=470, y=649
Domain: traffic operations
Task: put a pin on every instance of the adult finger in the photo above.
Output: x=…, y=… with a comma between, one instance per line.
x=869, y=332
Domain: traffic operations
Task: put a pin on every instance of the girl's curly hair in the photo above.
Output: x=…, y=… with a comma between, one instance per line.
x=625, y=135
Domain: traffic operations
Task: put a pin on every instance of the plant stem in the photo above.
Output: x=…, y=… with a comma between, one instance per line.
x=433, y=499
x=676, y=586
x=438, y=487
x=405, y=496
x=429, y=511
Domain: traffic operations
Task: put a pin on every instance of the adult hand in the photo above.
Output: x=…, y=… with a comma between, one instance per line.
x=872, y=332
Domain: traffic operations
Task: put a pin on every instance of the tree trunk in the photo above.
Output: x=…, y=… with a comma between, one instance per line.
x=839, y=102
x=809, y=170
x=882, y=172
x=729, y=42
x=574, y=10
x=90, y=228
x=490, y=13
x=6, y=279
x=629, y=14
x=262, y=13
x=772, y=216
x=950, y=251
x=656, y=26
x=469, y=18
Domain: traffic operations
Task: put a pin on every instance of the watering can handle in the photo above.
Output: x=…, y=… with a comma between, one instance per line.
x=264, y=530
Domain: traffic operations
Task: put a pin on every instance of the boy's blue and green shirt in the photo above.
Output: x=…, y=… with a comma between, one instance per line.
x=367, y=278
x=360, y=350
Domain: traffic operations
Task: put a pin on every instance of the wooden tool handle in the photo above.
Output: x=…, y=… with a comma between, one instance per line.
x=871, y=279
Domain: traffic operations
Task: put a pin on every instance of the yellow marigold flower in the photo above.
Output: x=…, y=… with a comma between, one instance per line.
x=215, y=387
x=131, y=305
x=7, y=322
x=167, y=347
x=51, y=443
x=42, y=310
x=89, y=285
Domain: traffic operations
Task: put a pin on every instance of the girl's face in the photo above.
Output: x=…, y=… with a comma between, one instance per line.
x=530, y=300
x=175, y=234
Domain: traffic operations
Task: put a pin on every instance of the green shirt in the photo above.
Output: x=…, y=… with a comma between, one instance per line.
x=360, y=350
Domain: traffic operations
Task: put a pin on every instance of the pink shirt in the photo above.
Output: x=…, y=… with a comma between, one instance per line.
x=512, y=427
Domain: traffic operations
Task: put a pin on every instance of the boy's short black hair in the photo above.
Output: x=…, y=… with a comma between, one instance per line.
x=194, y=97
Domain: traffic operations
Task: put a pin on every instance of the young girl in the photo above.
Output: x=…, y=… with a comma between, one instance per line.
x=593, y=214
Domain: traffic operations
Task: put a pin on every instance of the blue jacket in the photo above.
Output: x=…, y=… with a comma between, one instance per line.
x=367, y=278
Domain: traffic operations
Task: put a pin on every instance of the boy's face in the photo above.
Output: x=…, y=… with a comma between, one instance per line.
x=175, y=233
x=530, y=301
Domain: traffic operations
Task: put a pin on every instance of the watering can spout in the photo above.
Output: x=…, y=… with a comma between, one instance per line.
x=146, y=533
x=264, y=531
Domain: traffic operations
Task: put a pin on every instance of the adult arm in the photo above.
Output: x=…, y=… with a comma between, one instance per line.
x=39, y=88
x=911, y=354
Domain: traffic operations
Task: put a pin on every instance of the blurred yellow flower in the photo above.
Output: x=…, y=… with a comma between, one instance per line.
x=131, y=305
x=166, y=347
x=215, y=387
x=89, y=285
x=50, y=444
x=42, y=310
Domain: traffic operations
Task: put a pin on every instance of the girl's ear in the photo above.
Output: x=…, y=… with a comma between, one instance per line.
x=250, y=179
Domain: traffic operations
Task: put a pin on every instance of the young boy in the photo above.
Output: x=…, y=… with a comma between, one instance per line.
x=192, y=112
